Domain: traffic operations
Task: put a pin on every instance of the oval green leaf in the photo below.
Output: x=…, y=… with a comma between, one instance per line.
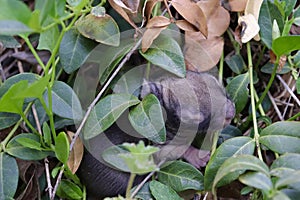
x=15, y=149
x=166, y=53
x=65, y=102
x=288, y=160
x=9, y=176
x=239, y=164
x=74, y=50
x=14, y=10
x=281, y=143
x=147, y=119
x=268, y=13
x=236, y=63
x=106, y=112
x=62, y=147
x=102, y=29
x=291, y=178
x=288, y=128
x=181, y=176
x=238, y=91
x=286, y=44
x=8, y=119
x=257, y=180
x=163, y=192
x=231, y=147
x=69, y=190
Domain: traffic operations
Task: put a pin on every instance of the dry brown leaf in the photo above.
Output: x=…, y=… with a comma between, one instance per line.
x=202, y=54
x=185, y=25
x=148, y=7
x=76, y=154
x=235, y=5
x=122, y=13
x=158, y=22
x=150, y=35
x=192, y=13
x=217, y=17
x=208, y=6
x=130, y=5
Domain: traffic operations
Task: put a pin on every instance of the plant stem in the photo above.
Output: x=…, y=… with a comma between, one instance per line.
x=221, y=67
x=294, y=117
x=252, y=92
x=33, y=51
x=12, y=132
x=50, y=115
x=129, y=185
x=262, y=97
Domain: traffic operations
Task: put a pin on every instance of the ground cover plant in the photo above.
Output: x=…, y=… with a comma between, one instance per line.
x=45, y=45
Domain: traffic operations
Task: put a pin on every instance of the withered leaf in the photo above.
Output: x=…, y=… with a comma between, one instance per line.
x=185, y=25
x=192, y=13
x=235, y=5
x=202, y=54
x=158, y=22
x=217, y=17
x=130, y=5
x=150, y=35
x=122, y=12
x=148, y=7
x=250, y=27
x=76, y=153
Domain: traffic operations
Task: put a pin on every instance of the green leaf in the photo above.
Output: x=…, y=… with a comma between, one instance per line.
x=286, y=44
x=231, y=147
x=236, y=63
x=257, y=180
x=268, y=13
x=77, y=4
x=293, y=177
x=9, y=42
x=62, y=147
x=181, y=176
x=298, y=85
x=48, y=39
x=281, y=143
x=47, y=134
x=111, y=156
x=29, y=143
x=15, y=149
x=8, y=119
x=11, y=27
x=102, y=29
x=239, y=164
x=8, y=102
x=139, y=158
x=30, y=77
x=144, y=192
x=46, y=8
x=147, y=119
x=65, y=102
x=289, y=6
x=69, y=190
x=9, y=176
x=288, y=160
x=289, y=128
x=106, y=112
x=163, y=192
x=36, y=89
x=74, y=50
x=14, y=10
x=280, y=196
x=238, y=91
x=268, y=69
x=166, y=53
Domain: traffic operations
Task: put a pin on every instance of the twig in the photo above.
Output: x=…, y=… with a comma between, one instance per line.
x=275, y=106
x=49, y=187
x=145, y=180
x=288, y=89
x=57, y=182
x=3, y=78
x=36, y=118
x=91, y=106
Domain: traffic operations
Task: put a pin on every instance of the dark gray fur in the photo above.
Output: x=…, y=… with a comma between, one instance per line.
x=195, y=106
